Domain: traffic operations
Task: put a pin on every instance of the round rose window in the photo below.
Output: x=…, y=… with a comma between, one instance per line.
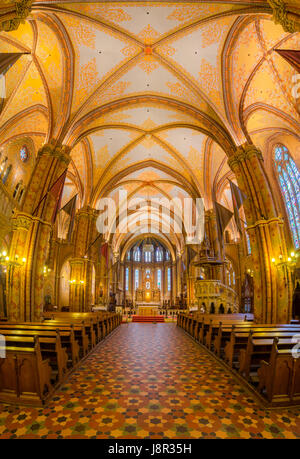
x=24, y=153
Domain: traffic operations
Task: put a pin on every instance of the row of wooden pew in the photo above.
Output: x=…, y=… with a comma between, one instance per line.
x=35, y=358
x=266, y=356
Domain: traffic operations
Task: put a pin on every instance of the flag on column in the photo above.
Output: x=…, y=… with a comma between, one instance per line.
x=292, y=56
x=191, y=254
x=70, y=209
x=7, y=60
x=104, y=252
x=238, y=197
x=56, y=191
x=223, y=217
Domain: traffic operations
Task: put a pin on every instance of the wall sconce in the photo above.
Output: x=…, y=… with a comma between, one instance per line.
x=46, y=270
x=289, y=262
x=250, y=272
x=288, y=265
x=76, y=282
x=6, y=261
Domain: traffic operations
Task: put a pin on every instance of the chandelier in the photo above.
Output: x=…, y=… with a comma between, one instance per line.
x=148, y=247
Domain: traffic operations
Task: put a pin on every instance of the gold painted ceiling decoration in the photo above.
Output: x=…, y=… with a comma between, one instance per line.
x=151, y=96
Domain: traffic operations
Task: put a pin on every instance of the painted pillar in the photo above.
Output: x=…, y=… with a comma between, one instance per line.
x=85, y=233
x=31, y=235
x=179, y=273
x=272, y=286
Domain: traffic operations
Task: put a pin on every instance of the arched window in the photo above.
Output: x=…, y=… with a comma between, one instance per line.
x=137, y=255
x=6, y=174
x=158, y=255
x=127, y=279
x=248, y=243
x=289, y=180
x=16, y=190
x=147, y=256
x=169, y=279
x=21, y=194
x=3, y=165
x=159, y=278
x=137, y=281
x=230, y=273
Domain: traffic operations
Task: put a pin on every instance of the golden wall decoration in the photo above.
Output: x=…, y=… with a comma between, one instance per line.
x=283, y=16
x=13, y=20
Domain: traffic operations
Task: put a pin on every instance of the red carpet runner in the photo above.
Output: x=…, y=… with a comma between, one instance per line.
x=149, y=319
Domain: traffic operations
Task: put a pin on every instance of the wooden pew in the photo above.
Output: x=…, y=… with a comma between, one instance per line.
x=103, y=322
x=50, y=345
x=25, y=377
x=210, y=327
x=67, y=335
x=79, y=330
x=259, y=347
x=226, y=338
x=197, y=324
x=279, y=379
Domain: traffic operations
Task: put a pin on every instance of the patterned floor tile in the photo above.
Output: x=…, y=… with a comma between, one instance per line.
x=150, y=381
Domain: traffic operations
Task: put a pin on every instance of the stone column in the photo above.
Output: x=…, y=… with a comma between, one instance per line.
x=174, y=282
x=179, y=273
x=217, y=248
x=31, y=234
x=85, y=254
x=272, y=289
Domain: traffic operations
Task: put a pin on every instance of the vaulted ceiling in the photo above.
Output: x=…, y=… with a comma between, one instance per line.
x=152, y=96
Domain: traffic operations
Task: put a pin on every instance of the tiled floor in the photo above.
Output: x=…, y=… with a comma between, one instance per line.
x=150, y=381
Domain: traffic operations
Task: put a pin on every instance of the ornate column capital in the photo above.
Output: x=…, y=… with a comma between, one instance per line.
x=23, y=221
x=22, y=9
x=87, y=212
x=59, y=151
x=244, y=152
x=281, y=15
x=278, y=220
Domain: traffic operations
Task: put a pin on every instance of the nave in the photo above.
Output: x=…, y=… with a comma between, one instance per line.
x=150, y=381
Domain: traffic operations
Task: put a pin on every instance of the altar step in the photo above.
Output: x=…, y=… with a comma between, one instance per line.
x=149, y=319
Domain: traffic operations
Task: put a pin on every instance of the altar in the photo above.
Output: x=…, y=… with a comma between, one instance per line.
x=148, y=309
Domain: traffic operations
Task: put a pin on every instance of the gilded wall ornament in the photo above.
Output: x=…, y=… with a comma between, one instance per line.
x=281, y=15
x=22, y=10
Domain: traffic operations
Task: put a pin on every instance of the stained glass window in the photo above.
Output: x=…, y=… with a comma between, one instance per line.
x=24, y=154
x=248, y=243
x=158, y=278
x=127, y=278
x=137, y=255
x=158, y=255
x=289, y=180
x=137, y=281
x=169, y=279
x=147, y=257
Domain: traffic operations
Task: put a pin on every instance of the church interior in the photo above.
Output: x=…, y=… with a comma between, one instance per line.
x=150, y=219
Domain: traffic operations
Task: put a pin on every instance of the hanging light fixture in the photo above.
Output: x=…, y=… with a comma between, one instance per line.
x=148, y=246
